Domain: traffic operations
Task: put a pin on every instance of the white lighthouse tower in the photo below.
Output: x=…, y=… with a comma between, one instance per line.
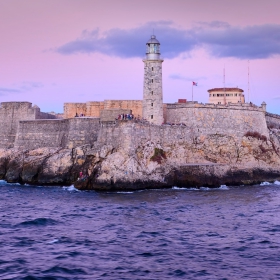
x=152, y=93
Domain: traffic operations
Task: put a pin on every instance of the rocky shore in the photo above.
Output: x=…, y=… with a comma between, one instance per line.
x=150, y=162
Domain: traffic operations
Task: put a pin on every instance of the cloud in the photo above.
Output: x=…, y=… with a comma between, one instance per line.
x=6, y=91
x=184, y=78
x=21, y=87
x=130, y=43
x=220, y=39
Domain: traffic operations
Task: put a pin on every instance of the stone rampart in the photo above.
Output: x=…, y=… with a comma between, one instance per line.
x=94, y=108
x=82, y=131
x=233, y=119
x=273, y=120
x=109, y=115
x=67, y=133
x=10, y=114
x=71, y=109
x=42, y=133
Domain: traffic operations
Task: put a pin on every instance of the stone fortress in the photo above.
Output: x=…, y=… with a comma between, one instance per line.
x=24, y=126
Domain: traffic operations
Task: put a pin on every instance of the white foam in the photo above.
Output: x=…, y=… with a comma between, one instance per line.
x=265, y=184
x=3, y=182
x=177, y=188
x=188, y=189
x=124, y=192
x=53, y=241
x=71, y=188
x=204, y=188
x=223, y=187
x=276, y=183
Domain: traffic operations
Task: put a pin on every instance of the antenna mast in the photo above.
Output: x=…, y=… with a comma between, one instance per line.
x=224, y=85
x=248, y=81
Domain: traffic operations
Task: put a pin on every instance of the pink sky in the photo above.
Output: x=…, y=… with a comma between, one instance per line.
x=52, y=52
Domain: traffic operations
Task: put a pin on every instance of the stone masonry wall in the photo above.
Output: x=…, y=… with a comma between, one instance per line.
x=110, y=115
x=82, y=131
x=70, y=109
x=10, y=114
x=234, y=120
x=42, y=133
x=94, y=108
x=67, y=133
x=272, y=120
x=134, y=105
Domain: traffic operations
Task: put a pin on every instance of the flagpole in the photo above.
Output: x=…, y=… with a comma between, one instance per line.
x=192, y=91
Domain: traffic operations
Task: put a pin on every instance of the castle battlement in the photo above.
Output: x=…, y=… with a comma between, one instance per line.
x=232, y=106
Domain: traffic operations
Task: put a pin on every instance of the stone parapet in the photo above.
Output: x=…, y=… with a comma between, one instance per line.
x=62, y=133
x=10, y=114
x=232, y=119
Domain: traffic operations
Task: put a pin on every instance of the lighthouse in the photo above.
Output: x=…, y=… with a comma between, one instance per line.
x=152, y=92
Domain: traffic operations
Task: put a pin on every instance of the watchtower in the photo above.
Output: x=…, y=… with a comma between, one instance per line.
x=152, y=92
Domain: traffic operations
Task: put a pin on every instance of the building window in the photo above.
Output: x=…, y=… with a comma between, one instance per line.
x=152, y=116
x=152, y=68
x=152, y=92
x=152, y=104
x=152, y=80
x=235, y=94
x=219, y=102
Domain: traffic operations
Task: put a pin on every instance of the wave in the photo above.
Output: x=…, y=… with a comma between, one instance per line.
x=53, y=241
x=182, y=188
x=38, y=222
x=265, y=184
x=3, y=183
x=71, y=189
x=223, y=187
x=277, y=183
x=124, y=192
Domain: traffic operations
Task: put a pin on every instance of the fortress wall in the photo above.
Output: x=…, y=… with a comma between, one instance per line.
x=94, y=109
x=82, y=131
x=44, y=116
x=273, y=120
x=130, y=134
x=67, y=133
x=70, y=109
x=10, y=114
x=134, y=105
x=110, y=115
x=211, y=119
x=41, y=133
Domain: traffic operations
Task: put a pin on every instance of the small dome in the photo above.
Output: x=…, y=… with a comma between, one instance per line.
x=35, y=106
x=153, y=40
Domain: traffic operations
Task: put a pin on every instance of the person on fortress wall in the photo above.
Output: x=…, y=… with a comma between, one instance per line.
x=76, y=115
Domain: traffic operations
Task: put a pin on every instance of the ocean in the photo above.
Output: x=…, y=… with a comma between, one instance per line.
x=179, y=233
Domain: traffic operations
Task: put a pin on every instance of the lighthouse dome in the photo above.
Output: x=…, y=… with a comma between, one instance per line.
x=153, y=40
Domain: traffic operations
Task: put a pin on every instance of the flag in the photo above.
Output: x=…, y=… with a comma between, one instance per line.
x=194, y=83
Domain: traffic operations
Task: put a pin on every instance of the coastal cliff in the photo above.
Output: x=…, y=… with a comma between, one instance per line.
x=135, y=155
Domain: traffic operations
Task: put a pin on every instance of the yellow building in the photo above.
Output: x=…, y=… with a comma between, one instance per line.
x=226, y=95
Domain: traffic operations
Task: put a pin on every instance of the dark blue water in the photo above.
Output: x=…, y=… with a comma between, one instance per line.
x=60, y=233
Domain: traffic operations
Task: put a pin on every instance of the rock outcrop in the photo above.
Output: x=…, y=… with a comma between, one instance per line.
x=132, y=155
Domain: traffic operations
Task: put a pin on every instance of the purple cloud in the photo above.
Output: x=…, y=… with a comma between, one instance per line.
x=219, y=38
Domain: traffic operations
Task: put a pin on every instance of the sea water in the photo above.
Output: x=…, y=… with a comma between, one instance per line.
x=179, y=233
